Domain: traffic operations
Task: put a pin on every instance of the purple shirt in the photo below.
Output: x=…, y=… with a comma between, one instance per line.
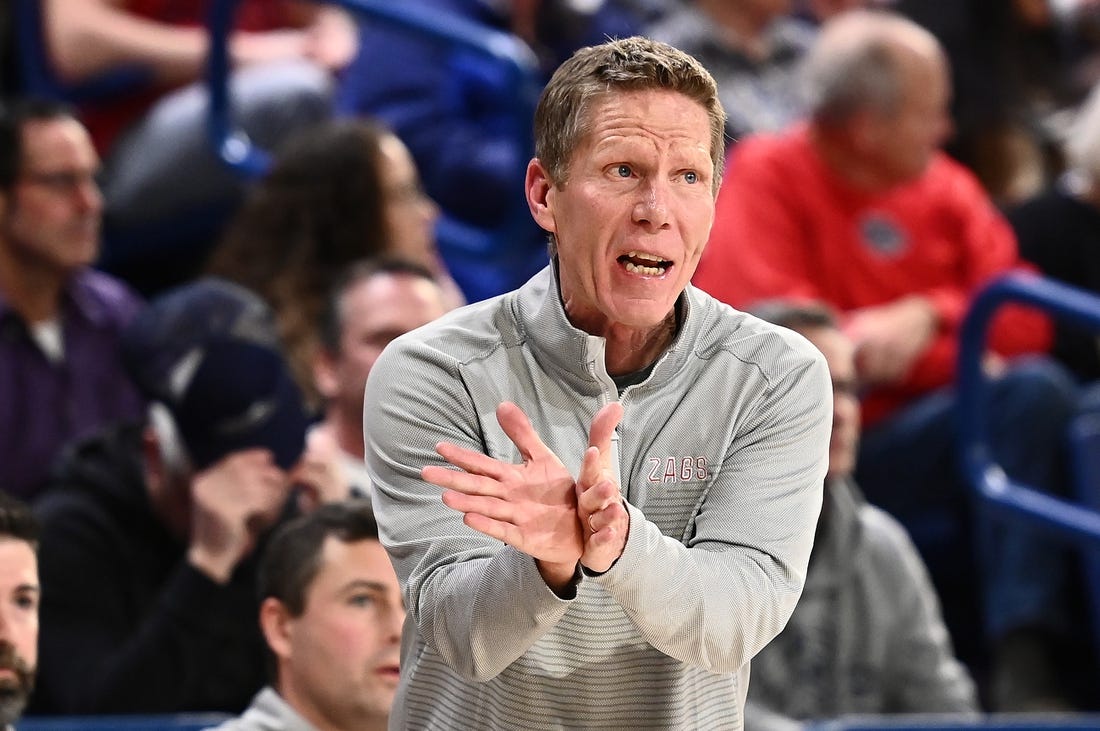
x=44, y=405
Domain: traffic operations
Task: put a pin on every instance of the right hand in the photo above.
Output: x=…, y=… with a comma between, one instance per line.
x=531, y=506
x=890, y=338
x=232, y=502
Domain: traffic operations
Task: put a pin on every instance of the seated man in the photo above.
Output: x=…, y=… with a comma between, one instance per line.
x=374, y=303
x=61, y=376
x=858, y=208
x=866, y=635
x=19, y=594
x=149, y=535
x=332, y=615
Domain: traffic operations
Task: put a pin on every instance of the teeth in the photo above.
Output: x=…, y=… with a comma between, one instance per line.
x=645, y=271
x=643, y=256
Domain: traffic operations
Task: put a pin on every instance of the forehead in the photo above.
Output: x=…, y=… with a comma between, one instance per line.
x=364, y=560
x=381, y=295
x=18, y=564
x=660, y=117
x=57, y=143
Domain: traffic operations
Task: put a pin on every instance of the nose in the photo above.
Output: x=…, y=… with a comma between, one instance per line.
x=89, y=195
x=429, y=211
x=394, y=624
x=651, y=209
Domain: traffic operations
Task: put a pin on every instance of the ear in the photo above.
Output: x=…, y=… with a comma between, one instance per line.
x=276, y=624
x=540, y=195
x=324, y=374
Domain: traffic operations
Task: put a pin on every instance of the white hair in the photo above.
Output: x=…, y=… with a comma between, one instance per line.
x=1083, y=140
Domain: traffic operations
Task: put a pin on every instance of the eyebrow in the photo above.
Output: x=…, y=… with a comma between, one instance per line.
x=364, y=584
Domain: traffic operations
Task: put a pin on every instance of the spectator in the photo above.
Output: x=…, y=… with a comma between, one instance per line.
x=337, y=193
x=641, y=565
x=467, y=125
x=753, y=48
x=149, y=536
x=867, y=636
x=19, y=596
x=331, y=614
x=158, y=165
x=60, y=371
x=1059, y=231
x=859, y=209
x=374, y=302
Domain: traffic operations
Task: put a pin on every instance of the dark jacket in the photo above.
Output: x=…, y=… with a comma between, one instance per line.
x=127, y=625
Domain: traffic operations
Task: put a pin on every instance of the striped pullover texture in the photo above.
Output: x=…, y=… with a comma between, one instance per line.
x=722, y=452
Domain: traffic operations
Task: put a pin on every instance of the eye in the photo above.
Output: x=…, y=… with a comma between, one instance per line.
x=26, y=601
x=623, y=170
x=361, y=600
x=691, y=177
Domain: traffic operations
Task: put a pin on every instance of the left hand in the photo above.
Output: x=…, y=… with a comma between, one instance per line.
x=603, y=517
x=319, y=474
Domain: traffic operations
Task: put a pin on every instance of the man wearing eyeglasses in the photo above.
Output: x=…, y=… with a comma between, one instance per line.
x=60, y=374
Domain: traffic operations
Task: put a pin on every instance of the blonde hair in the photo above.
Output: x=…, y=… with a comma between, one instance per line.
x=629, y=64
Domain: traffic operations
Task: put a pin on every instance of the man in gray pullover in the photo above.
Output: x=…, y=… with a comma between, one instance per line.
x=867, y=636
x=639, y=467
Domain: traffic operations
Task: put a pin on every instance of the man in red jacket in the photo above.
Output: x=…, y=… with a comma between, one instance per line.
x=858, y=207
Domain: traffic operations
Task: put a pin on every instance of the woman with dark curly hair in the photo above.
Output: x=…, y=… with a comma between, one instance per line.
x=339, y=192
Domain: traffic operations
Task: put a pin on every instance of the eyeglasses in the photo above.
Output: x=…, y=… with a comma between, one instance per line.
x=61, y=182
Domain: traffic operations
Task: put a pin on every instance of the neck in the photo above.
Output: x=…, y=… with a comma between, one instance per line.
x=347, y=429
x=630, y=350
x=326, y=721
x=32, y=291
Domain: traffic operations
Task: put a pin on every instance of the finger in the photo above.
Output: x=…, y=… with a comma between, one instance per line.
x=473, y=461
x=608, y=522
x=603, y=426
x=490, y=507
x=591, y=469
x=518, y=428
x=462, y=481
x=504, y=532
x=598, y=498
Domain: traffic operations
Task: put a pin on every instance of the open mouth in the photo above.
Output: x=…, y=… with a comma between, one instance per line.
x=647, y=265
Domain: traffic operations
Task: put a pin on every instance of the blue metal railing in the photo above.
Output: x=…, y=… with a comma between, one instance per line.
x=510, y=52
x=998, y=494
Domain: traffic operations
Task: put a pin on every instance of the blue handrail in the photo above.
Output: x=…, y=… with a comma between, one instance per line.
x=997, y=492
x=237, y=151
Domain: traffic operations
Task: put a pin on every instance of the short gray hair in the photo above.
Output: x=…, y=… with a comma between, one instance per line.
x=855, y=64
x=1083, y=141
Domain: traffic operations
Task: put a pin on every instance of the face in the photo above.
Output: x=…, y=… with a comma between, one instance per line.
x=19, y=592
x=840, y=355
x=374, y=312
x=410, y=215
x=632, y=220
x=53, y=210
x=907, y=138
x=340, y=659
